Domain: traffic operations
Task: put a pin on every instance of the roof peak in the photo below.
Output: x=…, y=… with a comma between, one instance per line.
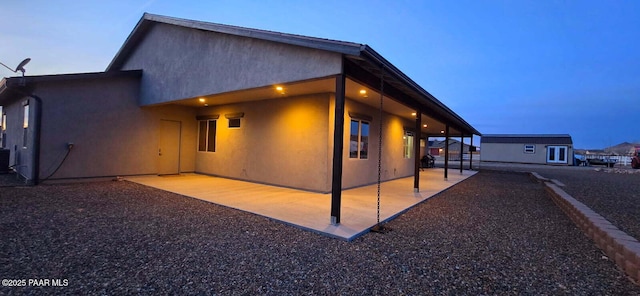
x=148, y=20
x=216, y=27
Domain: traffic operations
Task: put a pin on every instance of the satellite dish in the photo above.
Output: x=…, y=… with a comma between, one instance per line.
x=20, y=66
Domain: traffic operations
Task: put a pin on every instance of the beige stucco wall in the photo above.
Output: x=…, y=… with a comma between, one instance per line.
x=289, y=142
x=111, y=134
x=280, y=141
x=506, y=152
x=180, y=63
x=358, y=172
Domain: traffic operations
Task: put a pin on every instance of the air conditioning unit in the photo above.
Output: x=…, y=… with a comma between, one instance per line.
x=4, y=161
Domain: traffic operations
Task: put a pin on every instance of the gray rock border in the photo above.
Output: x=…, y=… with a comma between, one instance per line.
x=621, y=248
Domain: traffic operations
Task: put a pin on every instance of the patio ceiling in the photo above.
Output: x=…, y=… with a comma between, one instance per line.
x=317, y=86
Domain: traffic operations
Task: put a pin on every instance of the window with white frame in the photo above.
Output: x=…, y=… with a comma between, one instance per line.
x=234, y=119
x=207, y=136
x=408, y=139
x=529, y=149
x=234, y=123
x=359, y=139
x=557, y=154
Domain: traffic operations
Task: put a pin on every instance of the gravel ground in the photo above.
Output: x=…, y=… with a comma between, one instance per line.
x=495, y=233
x=610, y=193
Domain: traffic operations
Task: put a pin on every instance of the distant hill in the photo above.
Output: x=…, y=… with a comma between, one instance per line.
x=624, y=148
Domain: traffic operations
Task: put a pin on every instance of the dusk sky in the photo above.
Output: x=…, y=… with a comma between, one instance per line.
x=506, y=67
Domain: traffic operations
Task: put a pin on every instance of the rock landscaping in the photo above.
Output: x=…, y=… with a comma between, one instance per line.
x=495, y=233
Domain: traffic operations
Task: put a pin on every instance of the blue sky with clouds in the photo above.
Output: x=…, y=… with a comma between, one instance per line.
x=505, y=66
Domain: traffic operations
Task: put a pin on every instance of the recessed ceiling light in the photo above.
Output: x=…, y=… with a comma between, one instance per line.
x=424, y=125
x=442, y=132
x=363, y=92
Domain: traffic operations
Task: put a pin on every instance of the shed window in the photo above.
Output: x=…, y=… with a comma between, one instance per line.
x=530, y=149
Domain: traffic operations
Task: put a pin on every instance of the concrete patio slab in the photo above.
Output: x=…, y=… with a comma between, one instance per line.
x=311, y=210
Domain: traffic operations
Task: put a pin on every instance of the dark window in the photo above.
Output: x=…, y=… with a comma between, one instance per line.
x=359, y=139
x=211, y=136
x=234, y=122
x=207, y=136
x=202, y=136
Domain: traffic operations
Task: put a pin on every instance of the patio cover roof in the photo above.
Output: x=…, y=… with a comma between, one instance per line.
x=361, y=63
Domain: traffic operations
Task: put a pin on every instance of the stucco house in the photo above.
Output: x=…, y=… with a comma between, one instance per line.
x=554, y=149
x=190, y=96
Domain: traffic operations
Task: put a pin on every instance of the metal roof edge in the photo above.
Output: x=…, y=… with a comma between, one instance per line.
x=74, y=76
x=370, y=52
x=126, y=46
x=343, y=47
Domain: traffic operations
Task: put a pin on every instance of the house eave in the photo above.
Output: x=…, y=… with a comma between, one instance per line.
x=420, y=94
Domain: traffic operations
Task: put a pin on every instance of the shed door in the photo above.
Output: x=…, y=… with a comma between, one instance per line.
x=557, y=154
x=169, y=147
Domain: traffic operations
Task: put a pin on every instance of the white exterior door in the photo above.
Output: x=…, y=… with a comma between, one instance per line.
x=557, y=154
x=169, y=147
